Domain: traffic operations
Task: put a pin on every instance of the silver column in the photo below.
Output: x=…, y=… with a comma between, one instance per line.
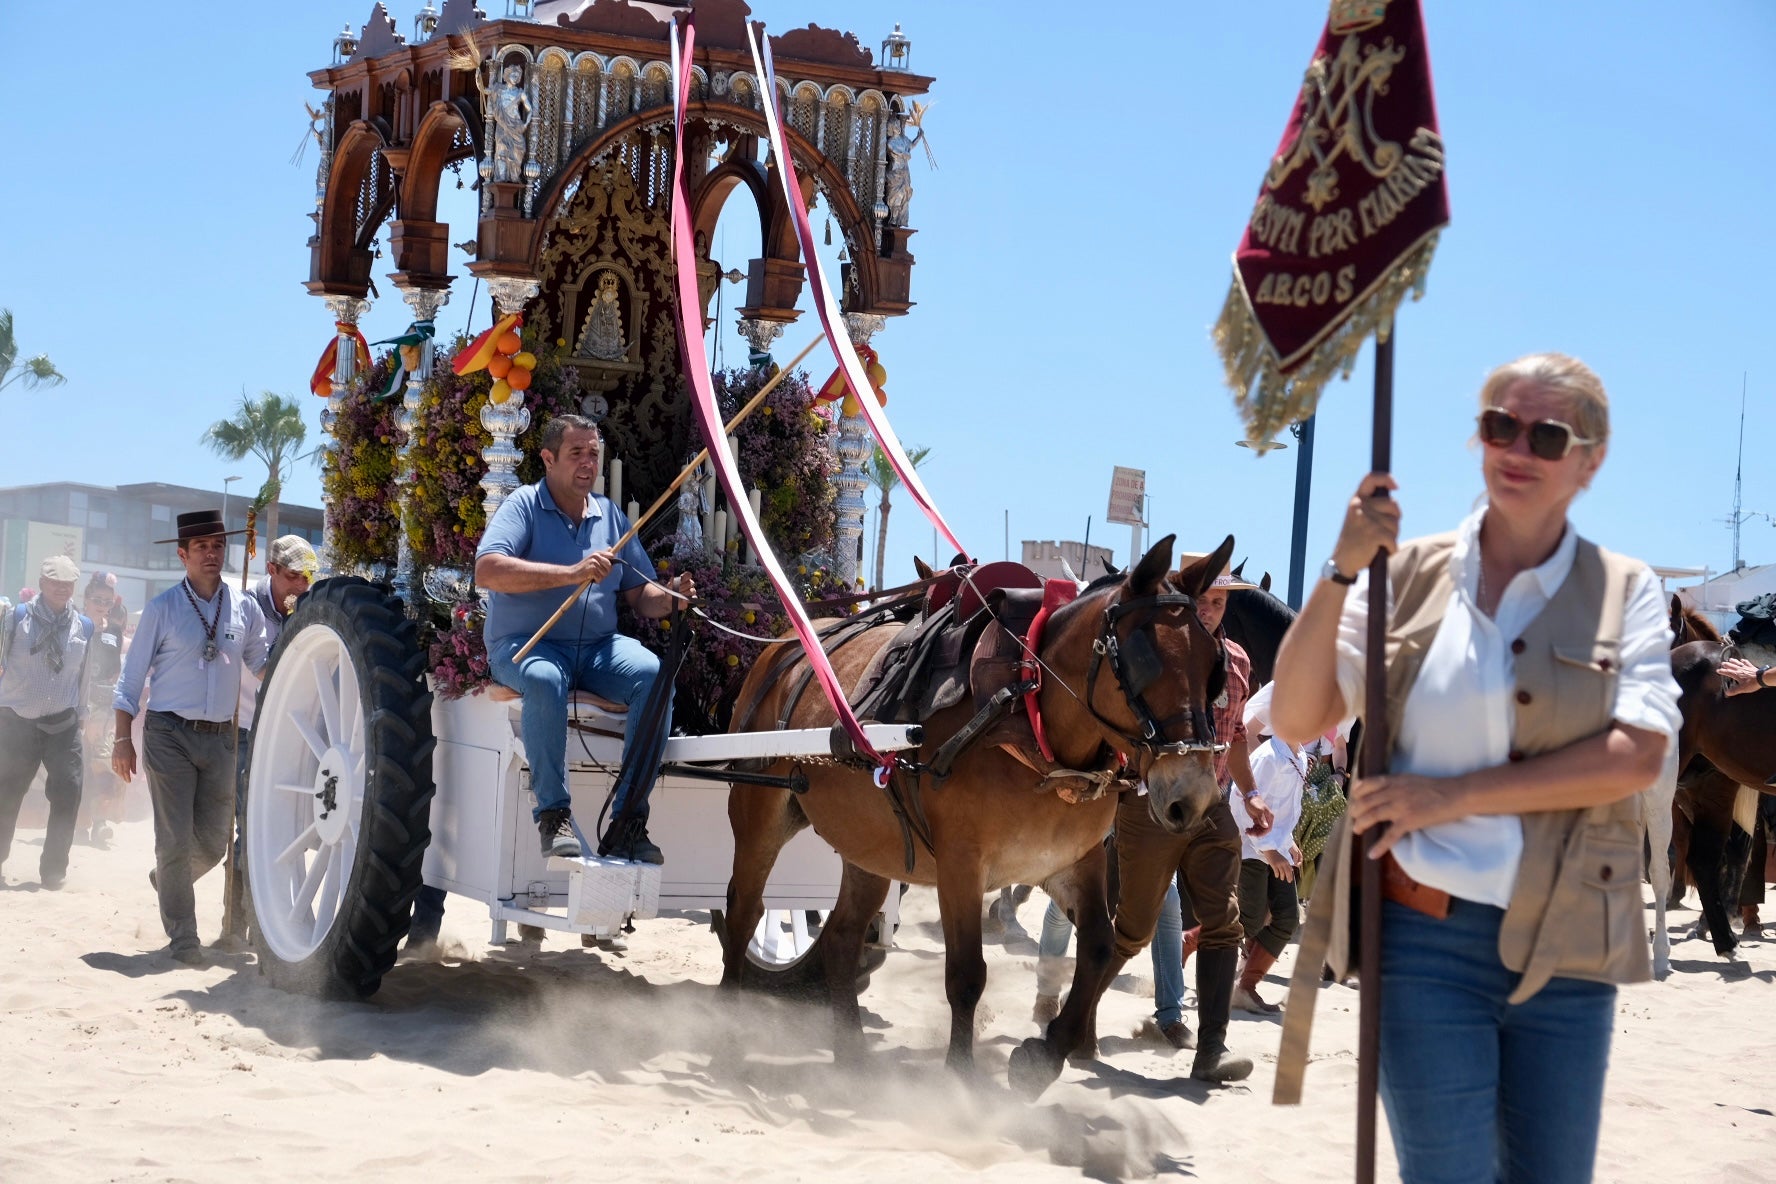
x=506, y=421
x=346, y=310
x=853, y=443
x=425, y=303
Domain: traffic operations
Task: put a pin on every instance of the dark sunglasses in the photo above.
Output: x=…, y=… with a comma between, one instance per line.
x=1549, y=439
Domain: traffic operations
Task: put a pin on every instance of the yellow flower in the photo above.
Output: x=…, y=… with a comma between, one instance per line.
x=561, y=343
x=750, y=617
x=666, y=626
x=733, y=660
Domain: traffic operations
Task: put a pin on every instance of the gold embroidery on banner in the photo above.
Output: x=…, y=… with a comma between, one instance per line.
x=1338, y=117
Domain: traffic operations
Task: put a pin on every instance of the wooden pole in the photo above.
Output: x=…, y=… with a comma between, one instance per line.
x=1375, y=760
x=660, y=502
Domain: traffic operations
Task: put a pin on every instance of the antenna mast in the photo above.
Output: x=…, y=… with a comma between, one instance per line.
x=1739, y=473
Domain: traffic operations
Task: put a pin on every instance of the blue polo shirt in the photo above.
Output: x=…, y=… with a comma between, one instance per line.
x=529, y=525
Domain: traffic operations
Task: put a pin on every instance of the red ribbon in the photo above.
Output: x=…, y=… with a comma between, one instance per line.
x=696, y=369
x=321, y=382
x=827, y=308
x=475, y=355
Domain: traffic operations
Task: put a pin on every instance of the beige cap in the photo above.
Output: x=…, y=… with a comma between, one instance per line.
x=1224, y=580
x=59, y=567
x=292, y=551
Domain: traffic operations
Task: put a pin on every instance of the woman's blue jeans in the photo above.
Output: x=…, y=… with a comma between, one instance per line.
x=1167, y=949
x=1477, y=1090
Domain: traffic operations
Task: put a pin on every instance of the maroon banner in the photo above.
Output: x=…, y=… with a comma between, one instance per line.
x=1346, y=219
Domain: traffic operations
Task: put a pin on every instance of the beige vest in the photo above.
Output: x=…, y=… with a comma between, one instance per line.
x=1575, y=910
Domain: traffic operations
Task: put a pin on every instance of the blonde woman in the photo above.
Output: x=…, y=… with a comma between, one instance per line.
x=1530, y=699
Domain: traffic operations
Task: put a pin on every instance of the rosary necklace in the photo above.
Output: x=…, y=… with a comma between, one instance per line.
x=209, y=627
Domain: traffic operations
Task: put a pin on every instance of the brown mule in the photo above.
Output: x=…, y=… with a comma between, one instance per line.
x=991, y=823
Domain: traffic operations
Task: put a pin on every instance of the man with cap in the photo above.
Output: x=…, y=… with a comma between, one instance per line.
x=194, y=640
x=43, y=646
x=1204, y=862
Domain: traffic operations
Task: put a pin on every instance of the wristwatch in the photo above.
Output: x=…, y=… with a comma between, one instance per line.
x=1762, y=670
x=1331, y=572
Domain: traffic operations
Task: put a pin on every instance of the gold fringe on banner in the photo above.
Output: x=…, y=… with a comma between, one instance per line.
x=1269, y=398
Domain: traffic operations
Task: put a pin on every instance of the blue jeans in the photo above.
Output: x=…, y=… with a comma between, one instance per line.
x=614, y=667
x=1167, y=950
x=1478, y=1090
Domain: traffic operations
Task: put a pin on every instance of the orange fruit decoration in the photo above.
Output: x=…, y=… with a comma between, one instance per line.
x=499, y=365
x=509, y=343
x=526, y=359
x=518, y=379
x=502, y=391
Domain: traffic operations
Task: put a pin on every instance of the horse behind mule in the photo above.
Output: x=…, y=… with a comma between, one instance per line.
x=992, y=821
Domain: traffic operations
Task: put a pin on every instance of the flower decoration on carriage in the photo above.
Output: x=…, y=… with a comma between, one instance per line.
x=360, y=472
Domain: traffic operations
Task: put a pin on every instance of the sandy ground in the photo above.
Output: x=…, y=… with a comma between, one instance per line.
x=527, y=1063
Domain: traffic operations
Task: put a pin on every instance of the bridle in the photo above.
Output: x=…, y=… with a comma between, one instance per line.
x=1135, y=668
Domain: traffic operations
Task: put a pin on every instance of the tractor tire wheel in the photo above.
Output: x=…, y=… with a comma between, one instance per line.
x=339, y=791
x=785, y=953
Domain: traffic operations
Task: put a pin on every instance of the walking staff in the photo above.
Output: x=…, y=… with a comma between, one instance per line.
x=1345, y=224
x=193, y=640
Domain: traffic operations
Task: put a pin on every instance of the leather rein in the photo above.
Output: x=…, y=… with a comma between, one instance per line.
x=1135, y=671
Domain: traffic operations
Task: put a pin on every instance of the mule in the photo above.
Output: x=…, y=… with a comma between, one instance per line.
x=1737, y=737
x=992, y=822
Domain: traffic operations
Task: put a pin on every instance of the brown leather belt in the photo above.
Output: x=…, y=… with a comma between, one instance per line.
x=1401, y=888
x=196, y=725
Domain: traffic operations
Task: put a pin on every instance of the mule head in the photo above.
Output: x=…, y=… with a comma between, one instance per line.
x=1149, y=671
x=923, y=568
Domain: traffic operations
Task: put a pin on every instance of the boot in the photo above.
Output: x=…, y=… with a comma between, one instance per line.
x=1258, y=961
x=557, y=835
x=1214, y=1005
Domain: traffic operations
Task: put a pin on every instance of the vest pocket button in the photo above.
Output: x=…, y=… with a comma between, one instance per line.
x=1605, y=873
x=1517, y=647
x=1515, y=755
x=1524, y=697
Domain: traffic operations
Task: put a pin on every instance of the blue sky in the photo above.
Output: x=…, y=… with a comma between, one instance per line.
x=1611, y=167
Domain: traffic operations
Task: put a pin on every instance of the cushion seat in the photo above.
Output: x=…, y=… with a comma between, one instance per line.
x=500, y=693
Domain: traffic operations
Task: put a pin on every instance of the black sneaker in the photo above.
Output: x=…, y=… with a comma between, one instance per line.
x=557, y=835
x=632, y=844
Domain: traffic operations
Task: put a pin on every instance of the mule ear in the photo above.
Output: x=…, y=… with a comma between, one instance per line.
x=923, y=568
x=1239, y=570
x=1153, y=566
x=1264, y=582
x=1199, y=575
x=1110, y=569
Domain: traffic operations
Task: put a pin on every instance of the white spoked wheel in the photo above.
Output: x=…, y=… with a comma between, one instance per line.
x=303, y=834
x=785, y=936
x=339, y=791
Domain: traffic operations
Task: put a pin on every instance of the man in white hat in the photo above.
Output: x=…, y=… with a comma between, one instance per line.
x=43, y=648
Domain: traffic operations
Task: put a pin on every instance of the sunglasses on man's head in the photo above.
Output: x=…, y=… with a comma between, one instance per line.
x=1549, y=439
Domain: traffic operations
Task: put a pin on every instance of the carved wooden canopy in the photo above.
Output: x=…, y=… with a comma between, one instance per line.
x=598, y=88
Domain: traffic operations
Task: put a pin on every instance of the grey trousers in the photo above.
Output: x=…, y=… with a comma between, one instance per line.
x=1269, y=909
x=191, y=780
x=23, y=747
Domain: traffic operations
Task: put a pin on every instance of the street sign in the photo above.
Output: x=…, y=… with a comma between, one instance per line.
x=1128, y=487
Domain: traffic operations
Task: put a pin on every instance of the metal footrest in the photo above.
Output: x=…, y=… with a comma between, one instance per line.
x=603, y=893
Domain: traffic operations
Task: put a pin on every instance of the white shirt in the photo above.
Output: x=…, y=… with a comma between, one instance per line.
x=1459, y=715
x=169, y=644
x=1278, y=773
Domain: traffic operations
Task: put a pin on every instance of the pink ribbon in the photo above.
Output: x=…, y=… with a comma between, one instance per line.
x=828, y=309
x=696, y=368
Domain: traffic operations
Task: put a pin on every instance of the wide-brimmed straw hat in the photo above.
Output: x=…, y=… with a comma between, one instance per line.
x=201, y=524
x=1225, y=580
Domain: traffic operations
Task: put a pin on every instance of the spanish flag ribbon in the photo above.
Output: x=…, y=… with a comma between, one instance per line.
x=480, y=351
x=837, y=386
x=321, y=383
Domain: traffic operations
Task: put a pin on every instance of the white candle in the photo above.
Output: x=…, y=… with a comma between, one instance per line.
x=708, y=508
x=753, y=499
x=616, y=481
x=598, y=481
x=634, y=510
x=719, y=539
x=734, y=451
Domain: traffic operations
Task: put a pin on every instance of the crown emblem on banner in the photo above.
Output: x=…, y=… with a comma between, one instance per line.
x=1353, y=16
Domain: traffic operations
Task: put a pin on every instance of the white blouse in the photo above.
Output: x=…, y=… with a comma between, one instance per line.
x=1459, y=715
x=1279, y=775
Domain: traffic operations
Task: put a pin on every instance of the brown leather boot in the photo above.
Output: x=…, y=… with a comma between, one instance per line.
x=1258, y=960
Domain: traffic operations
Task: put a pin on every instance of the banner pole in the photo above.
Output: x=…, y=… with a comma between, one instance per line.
x=1375, y=759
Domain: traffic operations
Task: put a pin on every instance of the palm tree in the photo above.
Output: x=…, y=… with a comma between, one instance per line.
x=881, y=474
x=270, y=428
x=34, y=372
